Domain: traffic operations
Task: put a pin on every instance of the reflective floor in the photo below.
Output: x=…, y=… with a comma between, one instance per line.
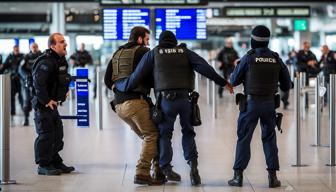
x=105, y=159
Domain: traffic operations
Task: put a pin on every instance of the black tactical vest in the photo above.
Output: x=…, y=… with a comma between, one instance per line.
x=60, y=79
x=172, y=69
x=263, y=75
x=122, y=63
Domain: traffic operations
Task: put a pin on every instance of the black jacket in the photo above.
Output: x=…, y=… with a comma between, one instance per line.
x=45, y=76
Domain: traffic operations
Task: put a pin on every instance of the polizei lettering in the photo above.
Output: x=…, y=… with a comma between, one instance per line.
x=265, y=60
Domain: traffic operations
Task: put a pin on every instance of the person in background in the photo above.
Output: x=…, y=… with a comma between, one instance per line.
x=25, y=71
x=307, y=62
x=81, y=58
x=328, y=65
x=227, y=58
x=11, y=65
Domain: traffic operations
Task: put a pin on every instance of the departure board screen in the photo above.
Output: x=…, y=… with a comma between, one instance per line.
x=117, y=23
x=188, y=24
x=154, y=2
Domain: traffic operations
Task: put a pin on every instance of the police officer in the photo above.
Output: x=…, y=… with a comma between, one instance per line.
x=11, y=65
x=133, y=106
x=328, y=64
x=307, y=62
x=173, y=68
x=50, y=83
x=25, y=71
x=259, y=70
x=227, y=58
x=81, y=57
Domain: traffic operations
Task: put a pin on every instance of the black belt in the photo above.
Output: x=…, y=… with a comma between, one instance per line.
x=175, y=94
x=260, y=97
x=125, y=97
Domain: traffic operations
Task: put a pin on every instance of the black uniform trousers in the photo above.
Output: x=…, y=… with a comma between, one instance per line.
x=27, y=95
x=15, y=88
x=49, y=141
x=171, y=109
x=247, y=121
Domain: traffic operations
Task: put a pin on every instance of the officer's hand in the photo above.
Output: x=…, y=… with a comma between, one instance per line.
x=229, y=87
x=52, y=104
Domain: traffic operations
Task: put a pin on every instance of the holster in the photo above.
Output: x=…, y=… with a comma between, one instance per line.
x=195, y=111
x=156, y=112
x=241, y=100
x=278, y=120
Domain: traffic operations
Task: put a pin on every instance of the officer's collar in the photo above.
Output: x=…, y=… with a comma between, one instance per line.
x=54, y=54
x=261, y=49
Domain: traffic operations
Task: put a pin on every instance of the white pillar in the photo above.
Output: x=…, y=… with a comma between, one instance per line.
x=58, y=19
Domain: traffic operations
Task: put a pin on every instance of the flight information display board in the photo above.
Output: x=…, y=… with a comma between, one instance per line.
x=117, y=23
x=154, y=2
x=188, y=24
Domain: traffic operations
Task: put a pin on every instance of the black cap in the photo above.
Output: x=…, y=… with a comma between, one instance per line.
x=260, y=36
x=167, y=37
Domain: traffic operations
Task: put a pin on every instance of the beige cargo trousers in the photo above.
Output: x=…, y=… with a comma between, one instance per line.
x=136, y=113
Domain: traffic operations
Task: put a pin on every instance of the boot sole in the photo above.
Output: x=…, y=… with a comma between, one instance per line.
x=48, y=174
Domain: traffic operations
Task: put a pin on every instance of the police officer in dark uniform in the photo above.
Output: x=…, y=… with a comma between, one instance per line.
x=227, y=58
x=11, y=65
x=81, y=57
x=173, y=68
x=307, y=62
x=259, y=70
x=51, y=84
x=328, y=64
x=25, y=71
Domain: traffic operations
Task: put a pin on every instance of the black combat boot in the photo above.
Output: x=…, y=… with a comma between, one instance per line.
x=48, y=170
x=237, y=179
x=171, y=175
x=63, y=168
x=157, y=172
x=194, y=176
x=273, y=181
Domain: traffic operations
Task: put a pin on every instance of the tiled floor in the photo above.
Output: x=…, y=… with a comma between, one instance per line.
x=105, y=160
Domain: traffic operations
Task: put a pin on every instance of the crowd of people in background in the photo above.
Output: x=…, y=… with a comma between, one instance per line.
x=20, y=65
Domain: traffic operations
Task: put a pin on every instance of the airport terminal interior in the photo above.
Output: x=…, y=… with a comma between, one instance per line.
x=102, y=147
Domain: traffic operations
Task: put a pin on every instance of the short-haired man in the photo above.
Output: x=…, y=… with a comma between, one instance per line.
x=51, y=84
x=134, y=106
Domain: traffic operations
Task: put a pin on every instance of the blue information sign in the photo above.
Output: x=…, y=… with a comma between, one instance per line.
x=185, y=23
x=82, y=88
x=117, y=23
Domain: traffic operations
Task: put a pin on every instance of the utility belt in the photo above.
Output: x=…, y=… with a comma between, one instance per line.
x=260, y=97
x=174, y=94
x=156, y=112
x=242, y=99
